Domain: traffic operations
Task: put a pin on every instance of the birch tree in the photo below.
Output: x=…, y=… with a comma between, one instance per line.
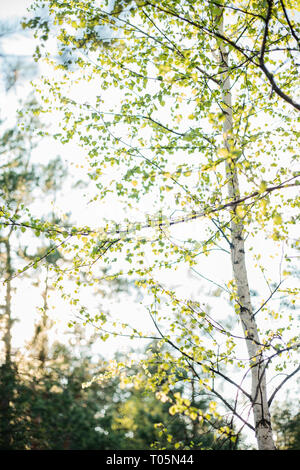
x=195, y=113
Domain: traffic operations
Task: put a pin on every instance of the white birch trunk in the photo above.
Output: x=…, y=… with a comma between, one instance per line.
x=260, y=406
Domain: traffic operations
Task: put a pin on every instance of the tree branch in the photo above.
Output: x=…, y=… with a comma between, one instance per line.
x=233, y=44
x=297, y=39
x=211, y=369
x=263, y=66
x=270, y=296
x=282, y=383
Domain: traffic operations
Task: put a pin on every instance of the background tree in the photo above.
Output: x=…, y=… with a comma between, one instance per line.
x=19, y=181
x=286, y=423
x=14, y=67
x=22, y=182
x=50, y=409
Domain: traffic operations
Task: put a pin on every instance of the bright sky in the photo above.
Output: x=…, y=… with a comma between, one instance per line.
x=13, y=7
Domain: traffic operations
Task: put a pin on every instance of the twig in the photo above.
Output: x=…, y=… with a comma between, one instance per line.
x=282, y=383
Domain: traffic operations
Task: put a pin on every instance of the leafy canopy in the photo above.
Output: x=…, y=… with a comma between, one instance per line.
x=140, y=86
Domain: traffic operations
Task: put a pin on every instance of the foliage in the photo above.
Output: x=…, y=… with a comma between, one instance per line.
x=287, y=425
x=49, y=408
x=194, y=111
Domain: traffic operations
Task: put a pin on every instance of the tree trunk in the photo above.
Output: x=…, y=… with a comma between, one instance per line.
x=260, y=406
x=7, y=370
x=7, y=314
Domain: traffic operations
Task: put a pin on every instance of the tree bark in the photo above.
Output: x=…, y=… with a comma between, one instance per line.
x=7, y=371
x=7, y=306
x=261, y=413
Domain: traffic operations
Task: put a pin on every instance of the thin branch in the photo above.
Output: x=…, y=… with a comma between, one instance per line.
x=241, y=50
x=270, y=296
x=282, y=383
x=211, y=369
x=161, y=223
x=266, y=31
x=297, y=39
x=38, y=260
x=222, y=231
x=267, y=361
x=217, y=394
x=210, y=280
x=263, y=66
x=245, y=12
